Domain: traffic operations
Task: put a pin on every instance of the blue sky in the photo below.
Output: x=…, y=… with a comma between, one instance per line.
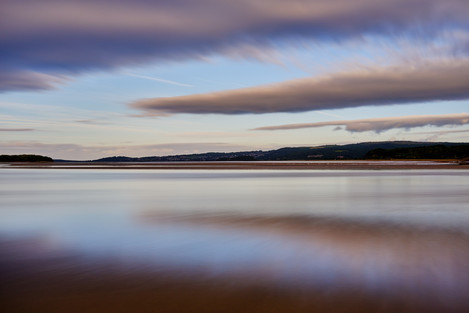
x=89, y=79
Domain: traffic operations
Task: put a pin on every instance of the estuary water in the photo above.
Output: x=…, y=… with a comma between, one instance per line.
x=390, y=236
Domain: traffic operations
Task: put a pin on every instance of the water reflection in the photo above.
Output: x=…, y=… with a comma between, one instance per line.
x=312, y=238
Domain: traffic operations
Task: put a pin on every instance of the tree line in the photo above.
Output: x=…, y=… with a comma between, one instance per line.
x=25, y=158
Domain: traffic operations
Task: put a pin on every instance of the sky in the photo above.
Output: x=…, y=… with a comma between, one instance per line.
x=85, y=79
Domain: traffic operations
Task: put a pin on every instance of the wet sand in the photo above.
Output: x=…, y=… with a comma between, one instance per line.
x=248, y=263
x=382, y=268
x=75, y=292
x=256, y=165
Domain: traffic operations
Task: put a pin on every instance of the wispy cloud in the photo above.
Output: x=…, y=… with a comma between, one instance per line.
x=17, y=129
x=19, y=80
x=382, y=124
x=92, y=122
x=436, y=135
x=72, y=36
x=329, y=114
x=158, y=80
x=444, y=80
x=443, y=132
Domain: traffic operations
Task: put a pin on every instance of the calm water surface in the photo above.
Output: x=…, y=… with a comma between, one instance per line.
x=381, y=232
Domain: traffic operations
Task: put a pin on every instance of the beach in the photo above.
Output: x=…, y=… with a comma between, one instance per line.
x=234, y=237
x=371, y=268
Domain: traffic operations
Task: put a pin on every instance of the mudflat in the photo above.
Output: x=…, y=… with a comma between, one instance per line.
x=111, y=293
x=382, y=268
x=235, y=241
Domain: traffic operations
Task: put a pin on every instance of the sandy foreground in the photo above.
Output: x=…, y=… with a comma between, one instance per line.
x=379, y=268
x=257, y=165
x=367, y=266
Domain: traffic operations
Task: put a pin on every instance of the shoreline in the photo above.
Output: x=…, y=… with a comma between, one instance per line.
x=253, y=165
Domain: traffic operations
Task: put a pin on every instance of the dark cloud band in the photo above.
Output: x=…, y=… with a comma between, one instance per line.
x=393, y=85
x=70, y=36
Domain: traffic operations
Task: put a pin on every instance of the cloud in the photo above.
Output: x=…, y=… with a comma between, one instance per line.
x=72, y=36
x=166, y=81
x=448, y=80
x=16, y=129
x=92, y=122
x=443, y=132
x=382, y=124
x=19, y=80
x=436, y=135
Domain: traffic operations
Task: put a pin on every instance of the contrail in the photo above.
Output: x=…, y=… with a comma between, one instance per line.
x=159, y=80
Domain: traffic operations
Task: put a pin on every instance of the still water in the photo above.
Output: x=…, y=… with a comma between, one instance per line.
x=398, y=234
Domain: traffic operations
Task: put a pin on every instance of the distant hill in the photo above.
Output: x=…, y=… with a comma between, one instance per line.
x=426, y=152
x=366, y=150
x=24, y=158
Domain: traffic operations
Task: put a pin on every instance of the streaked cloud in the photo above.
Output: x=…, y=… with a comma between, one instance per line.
x=19, y=80
x=444, y=80
x=161, y=80
x=71, y=36
x=382, y=124
x=16, y=129
x=436, y=135
x=92, y=122
x=443, y=132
